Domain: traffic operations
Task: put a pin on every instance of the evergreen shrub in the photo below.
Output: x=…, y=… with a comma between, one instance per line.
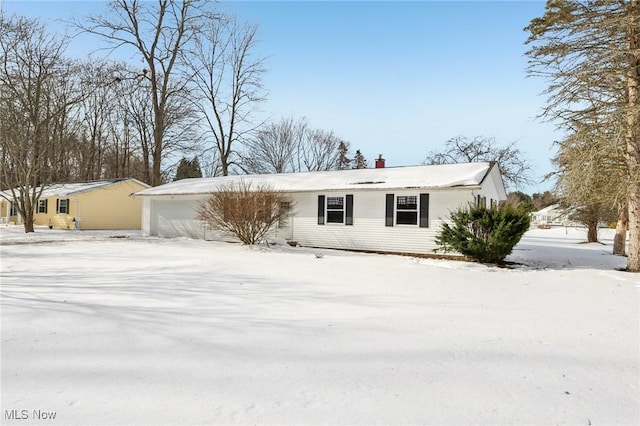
x=486, y=235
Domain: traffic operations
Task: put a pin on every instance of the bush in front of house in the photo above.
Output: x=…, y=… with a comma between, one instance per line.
x=486, y=235
x=244, y=211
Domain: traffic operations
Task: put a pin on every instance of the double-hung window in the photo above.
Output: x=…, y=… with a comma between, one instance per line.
x=283, y=222
x=42, y=206
x=335, y=209
x=407, y=210
x=62, y=206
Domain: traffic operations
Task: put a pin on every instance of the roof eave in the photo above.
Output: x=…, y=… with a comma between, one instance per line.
x=300, y=191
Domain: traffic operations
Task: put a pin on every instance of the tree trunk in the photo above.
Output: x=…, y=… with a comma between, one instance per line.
x=158, y=133
x=620, y=238
x=28, y=223
x=27, y=213
x=633, y=261
x=633, y=139
x=592, y=233
x=224, y=164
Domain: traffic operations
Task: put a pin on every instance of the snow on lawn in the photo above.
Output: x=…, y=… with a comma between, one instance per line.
x=140, y=331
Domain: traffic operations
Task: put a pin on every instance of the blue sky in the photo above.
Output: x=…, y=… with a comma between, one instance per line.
x=392, y=78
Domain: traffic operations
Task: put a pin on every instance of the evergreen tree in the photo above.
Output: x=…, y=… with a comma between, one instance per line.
x=589, y=52
x=196, y=172
x=359, y=162
x=343, y=162
x=188, y=169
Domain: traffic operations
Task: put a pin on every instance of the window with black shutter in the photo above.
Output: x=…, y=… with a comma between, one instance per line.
x=335, y=209
x=320, y=209
x=62, y=206
x=424, y=210
x=407, y=210
x=42, y=206
x=388, y=215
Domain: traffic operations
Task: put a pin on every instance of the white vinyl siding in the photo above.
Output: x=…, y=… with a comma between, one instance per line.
x=170, y=216
x=369, y=231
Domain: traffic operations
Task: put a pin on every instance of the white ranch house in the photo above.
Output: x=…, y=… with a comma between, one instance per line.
x=550, y=215
x=396, y=209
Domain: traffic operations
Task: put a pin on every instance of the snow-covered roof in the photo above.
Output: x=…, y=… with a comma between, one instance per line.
x=547, y=210
x=66, y=189
x=432, y=176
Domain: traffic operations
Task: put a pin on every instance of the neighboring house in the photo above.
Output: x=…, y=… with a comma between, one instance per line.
x=396, y=209
x=105, y=204
x=550, y=215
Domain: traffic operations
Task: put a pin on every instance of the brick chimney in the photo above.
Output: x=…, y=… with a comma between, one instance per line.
x=379, y=162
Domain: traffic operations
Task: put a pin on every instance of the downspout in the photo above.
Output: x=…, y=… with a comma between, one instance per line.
x=291, y=228
x=77, y=217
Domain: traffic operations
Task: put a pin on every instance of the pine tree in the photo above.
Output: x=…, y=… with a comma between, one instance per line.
x=359, y=161
x=188, y=169
x=343, y=162
x=589, y=52
x=196, y=172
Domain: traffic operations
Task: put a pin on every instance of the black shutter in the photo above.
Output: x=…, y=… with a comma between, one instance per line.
x=57, y=206
x=349, y=211
x=320, y=209
x=46, y=204
x=424, y=210
x=388, y=218
x=68, y=207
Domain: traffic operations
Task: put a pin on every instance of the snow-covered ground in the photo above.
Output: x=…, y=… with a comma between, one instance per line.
x=109, y=328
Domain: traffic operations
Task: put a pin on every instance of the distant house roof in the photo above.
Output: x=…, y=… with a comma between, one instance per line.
x=548, y=209
x=432, y=176
x=66, y=189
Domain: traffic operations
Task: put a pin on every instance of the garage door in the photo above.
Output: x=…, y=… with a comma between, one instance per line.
x=176, y=218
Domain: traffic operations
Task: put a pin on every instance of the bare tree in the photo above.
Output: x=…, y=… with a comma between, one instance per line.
x=37, y=89
x=318, y=151
x=159, y=34
x=291, y=145
x=544, y=199
x=92, y=116
x=590, y=170
x=514, y=168
x=274, y=147
x=228, y=82
x=245, y=211
x=589, y=52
